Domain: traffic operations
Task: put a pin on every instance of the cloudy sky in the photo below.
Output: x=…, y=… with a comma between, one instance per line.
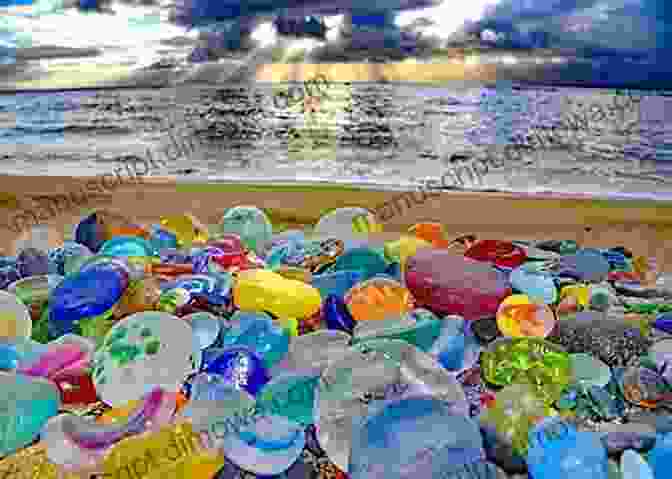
x=61, y=43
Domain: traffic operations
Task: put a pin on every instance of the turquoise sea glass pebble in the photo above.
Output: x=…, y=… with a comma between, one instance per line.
x=127, y=246
x=538, y=286
x=291, y=395
x=251, y=224
x=26, y=403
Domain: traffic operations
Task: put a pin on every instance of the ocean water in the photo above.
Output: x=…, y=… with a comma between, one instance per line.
x=389, y=135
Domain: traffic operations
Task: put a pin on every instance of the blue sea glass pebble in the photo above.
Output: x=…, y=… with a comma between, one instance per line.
x=260, y=333
x=337, y=315
x=89, y=233
x=457, y=348
x=660, y=457
x=84, y=295
x=26, y=403
x=558, y=451
x=663, y=322
x=411, y=438
x=633, y=466
x=161, y=239
x=269, y=445
x=337, y=283
x=538, y=286
x=586, y=265
x=241, y=367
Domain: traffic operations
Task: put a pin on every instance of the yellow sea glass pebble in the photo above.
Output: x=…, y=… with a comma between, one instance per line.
x=186, y=228
x=139, y=456
x=259, y=290
x=579, y=291
x=32, y=463
x=201, y=466
x=404, y=248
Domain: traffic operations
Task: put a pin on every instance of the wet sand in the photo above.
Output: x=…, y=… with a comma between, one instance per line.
x=645, y=227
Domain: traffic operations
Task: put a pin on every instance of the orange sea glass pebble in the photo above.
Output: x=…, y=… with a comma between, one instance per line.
x=431, y=232
x=518, y=316
x=378, y=298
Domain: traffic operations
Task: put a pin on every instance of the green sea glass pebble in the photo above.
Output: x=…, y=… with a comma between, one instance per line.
x=543, y=365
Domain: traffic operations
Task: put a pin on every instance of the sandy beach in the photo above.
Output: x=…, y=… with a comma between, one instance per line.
x=645, y=227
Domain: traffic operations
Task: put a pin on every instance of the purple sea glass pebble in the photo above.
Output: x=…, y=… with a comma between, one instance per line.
x=32, y=262
x=586, y=265
x=449, y=284
x=663, y=322
x=8, y=274
x=337, y=315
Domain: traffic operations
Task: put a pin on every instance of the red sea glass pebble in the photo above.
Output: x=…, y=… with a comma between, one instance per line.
x=623, y=276
x=76, y=387
x=446, y=283
x=501, y=253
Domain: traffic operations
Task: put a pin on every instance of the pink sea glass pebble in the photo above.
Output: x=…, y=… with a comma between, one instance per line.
x=449, y=284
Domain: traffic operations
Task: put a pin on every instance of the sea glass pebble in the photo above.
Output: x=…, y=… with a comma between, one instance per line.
x=26, y=403
x=262, y=290
x=633, y=466
x=558, y=451
x=370, y=262
x=127, y=246
x=544, y=365
x=337, y=283
x=77, y=302
x=59, y=256
x=240, y=366
x=586, y=265
x=186, y=228
x=517, y=407
x=347, y=223
x=449, y=284
x=337, y=315
x=519, y=316
x=32, y=262
x=457, y=347
x=258, y=332
x=162, y=239
x=268, y=446
x=251, y=224
x=538, y=286
x=314, y=351
x=589, y=371
x=15, y=321
x=413, y=437
x=377, y=299
x=291, y=395
x=420, y=330
x=142, y=352
x=34, y=289
x=376, y=369
x=500, y=253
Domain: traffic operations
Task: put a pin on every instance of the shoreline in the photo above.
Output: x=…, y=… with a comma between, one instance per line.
x=643, y=226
